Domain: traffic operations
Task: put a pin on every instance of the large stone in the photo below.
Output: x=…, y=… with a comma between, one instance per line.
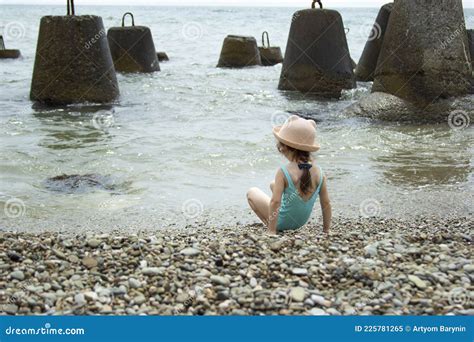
x=89, y=262
x=134, y=283
x=94, y=243
x=91, y=296
x=80, y=299
x=417, y=281
x=320, y=300
x=14, y=256
x=10, y=309
x=371, y=250
x=153, y=271
x=469, y=268
x=299, y=271
x=297, y=294
x=73, y=62
x=190, y=251
x=18, y=275
x=424, y=53
x=317, y=312
x=139, y=300
x=9, y=54
x=239, y=52
x=133, y=49
x=317, y=58
x=162, y=56
x=220, y=280
x=368, y=61
x=387, y=107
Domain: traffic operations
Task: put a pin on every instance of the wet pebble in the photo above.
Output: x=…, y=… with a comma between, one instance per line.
x=317, y=312
x=190, y=251
x=94, y=243
x=18, y=275
x=89, y=262
x=14, y=256
x=152, y=271
x=299, y=271
x=219, y=280
x=80, y=299
x=417, y=281
x=297, y=294
x=134, y=283
x=139, y=299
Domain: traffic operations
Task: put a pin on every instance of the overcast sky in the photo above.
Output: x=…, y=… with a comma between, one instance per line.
x=292, y=3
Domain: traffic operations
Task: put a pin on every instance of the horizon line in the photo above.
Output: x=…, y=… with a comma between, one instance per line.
x=177, y=5
x=182, y=5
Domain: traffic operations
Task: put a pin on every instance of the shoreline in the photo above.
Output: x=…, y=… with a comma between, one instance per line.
x=372, y=266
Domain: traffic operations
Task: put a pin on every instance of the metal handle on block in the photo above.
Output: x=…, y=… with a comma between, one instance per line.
x=265, y=33
x=313, y=5
x=123, y=19
x=70, y=7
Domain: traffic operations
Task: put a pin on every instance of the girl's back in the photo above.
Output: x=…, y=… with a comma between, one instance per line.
x=296, y=205
x=296, y=175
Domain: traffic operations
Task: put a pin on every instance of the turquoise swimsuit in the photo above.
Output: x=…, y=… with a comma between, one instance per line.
x=294, y=210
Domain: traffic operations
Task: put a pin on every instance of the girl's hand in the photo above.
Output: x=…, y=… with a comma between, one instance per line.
x=325, y=206
x=275, y=202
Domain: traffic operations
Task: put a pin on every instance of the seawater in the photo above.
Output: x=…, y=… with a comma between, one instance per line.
x=183, y=145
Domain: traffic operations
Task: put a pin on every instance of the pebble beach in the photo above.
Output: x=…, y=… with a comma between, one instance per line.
x=366, y=266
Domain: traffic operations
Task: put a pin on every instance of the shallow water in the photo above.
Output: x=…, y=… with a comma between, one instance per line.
x=183, y=145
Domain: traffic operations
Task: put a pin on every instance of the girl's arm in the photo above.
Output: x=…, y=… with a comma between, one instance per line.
x=325, y=206
x=275, y=201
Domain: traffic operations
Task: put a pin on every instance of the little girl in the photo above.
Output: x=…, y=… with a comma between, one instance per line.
x=297, y=184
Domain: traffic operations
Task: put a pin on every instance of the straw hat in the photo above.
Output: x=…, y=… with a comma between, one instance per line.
x=298, y=133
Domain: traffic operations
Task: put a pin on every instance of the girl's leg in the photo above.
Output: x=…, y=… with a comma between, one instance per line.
x=260, y=203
